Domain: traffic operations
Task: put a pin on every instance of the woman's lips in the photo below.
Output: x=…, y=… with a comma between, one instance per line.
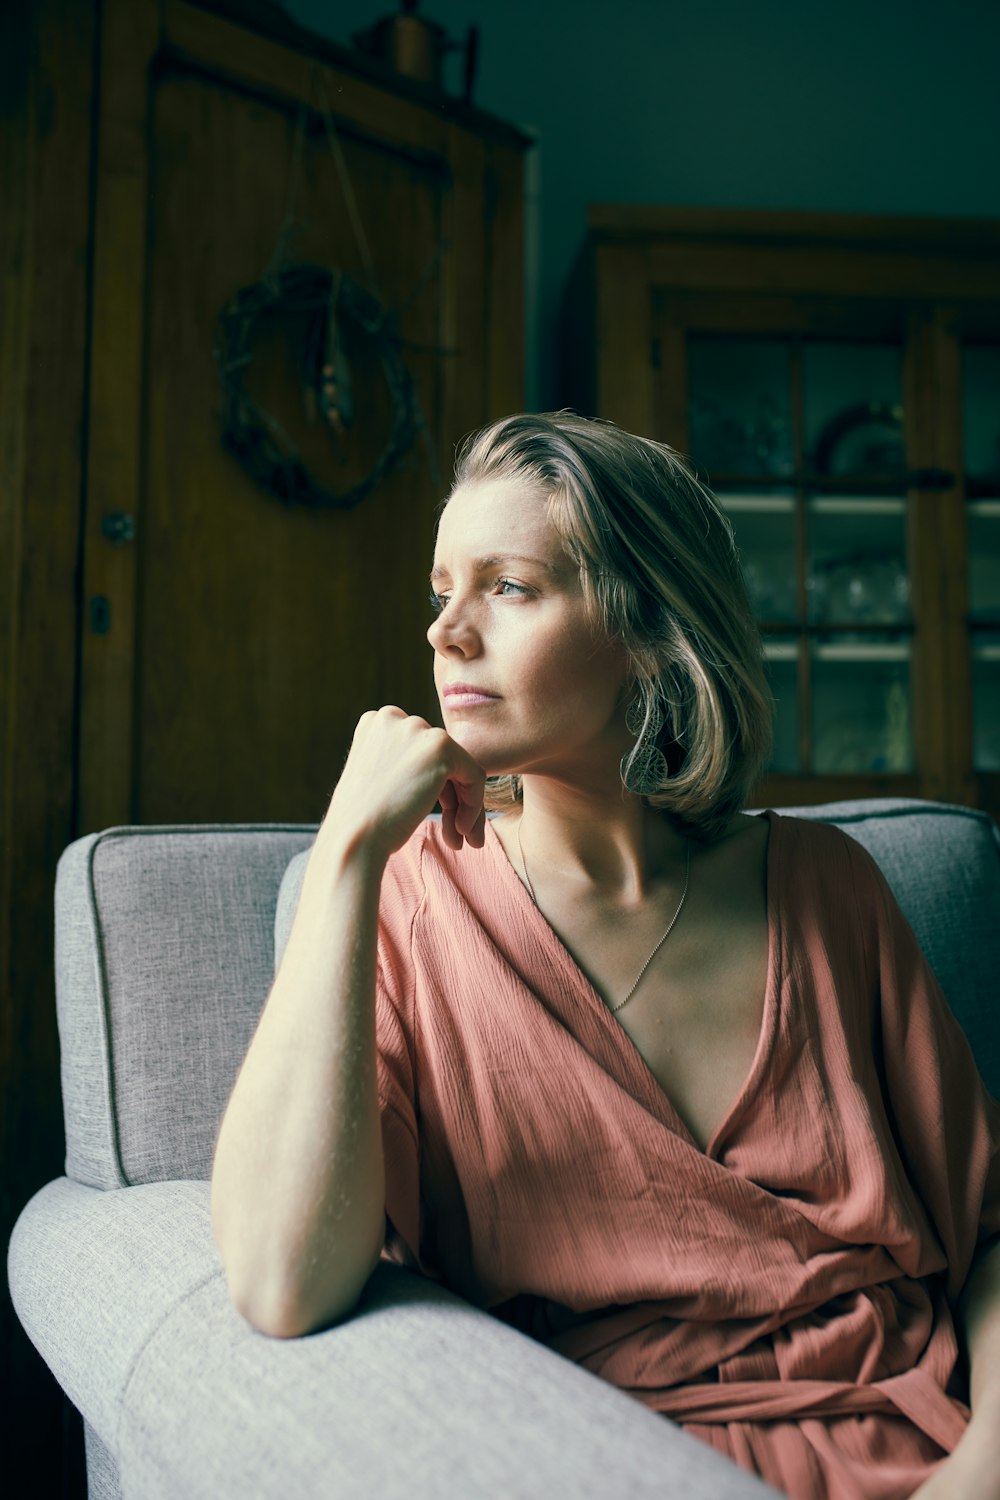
x=463, y=695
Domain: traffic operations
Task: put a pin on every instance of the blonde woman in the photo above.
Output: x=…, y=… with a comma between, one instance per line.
x=665, y=1085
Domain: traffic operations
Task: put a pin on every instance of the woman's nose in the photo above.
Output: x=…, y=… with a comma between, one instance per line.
x=434, y=633
x=452, y=630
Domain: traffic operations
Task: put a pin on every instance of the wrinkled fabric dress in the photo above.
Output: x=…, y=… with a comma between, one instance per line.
x=785, y=1294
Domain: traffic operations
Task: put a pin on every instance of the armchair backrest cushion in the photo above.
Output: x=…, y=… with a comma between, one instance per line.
x=168, y=938
x=164, y=958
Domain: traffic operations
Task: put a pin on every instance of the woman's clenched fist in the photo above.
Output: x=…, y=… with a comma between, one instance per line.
x=398, y=767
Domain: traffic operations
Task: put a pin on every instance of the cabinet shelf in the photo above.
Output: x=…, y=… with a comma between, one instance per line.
x=857, y=505
x=862, y=651
x=833, y=505
x=758, y=505
x=874, y=651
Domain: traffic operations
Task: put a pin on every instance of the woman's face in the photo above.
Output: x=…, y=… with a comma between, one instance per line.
x=545, y=694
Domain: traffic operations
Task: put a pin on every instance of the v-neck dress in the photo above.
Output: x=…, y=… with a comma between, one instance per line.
x=786, y=1294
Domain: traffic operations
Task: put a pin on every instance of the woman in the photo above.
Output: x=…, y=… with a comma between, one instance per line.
x=665, y=1085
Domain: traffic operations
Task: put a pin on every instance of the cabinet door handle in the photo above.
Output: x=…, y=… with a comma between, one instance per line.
x=100, y=615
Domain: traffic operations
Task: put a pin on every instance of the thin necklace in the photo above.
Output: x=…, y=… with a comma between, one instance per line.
x=663, y=939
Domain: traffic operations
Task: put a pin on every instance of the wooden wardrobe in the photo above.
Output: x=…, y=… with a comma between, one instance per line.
x=177, y=643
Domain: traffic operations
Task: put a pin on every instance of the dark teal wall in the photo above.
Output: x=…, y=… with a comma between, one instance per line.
x=846, y=107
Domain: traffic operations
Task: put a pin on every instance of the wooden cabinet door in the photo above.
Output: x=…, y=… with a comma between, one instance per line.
x=230, y=641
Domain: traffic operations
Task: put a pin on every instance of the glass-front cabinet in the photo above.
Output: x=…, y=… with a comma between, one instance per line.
x=836, y=382
x=802, y=441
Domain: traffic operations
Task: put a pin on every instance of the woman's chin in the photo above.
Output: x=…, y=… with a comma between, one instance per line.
x=471, y=736
x=483, y=749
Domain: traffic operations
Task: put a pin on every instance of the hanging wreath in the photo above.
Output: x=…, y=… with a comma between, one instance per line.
x=334, y=305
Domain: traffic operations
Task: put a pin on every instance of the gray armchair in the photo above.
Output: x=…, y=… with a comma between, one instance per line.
x=167, y=939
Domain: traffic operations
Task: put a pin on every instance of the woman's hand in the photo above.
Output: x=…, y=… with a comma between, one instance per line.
x=398, y=767
x=972, y=1471
x=969, y=1473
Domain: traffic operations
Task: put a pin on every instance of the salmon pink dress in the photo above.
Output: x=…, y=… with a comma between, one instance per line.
x=787, y=1293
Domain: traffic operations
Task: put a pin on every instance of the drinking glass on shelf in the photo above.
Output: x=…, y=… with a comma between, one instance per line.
x=859, y=589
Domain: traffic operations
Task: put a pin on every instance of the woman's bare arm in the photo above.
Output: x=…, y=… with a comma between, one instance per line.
x=298, y=1180
x=298, y=1183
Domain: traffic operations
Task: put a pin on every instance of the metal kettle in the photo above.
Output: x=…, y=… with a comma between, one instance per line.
x=416, y=47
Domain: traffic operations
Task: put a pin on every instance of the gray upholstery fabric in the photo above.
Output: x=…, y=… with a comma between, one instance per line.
x=93, y=1274
x=416, y=1395
x=164, y=957
x=102, y=1470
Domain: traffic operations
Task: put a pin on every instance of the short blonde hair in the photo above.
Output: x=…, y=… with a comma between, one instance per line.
x=660, y=572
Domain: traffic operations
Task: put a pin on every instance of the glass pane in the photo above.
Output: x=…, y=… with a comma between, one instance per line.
x=740, y=405
x=984, y=560
x=857, y=560
x=981, y=406
x=765, y=534
x=861, y=707
x=986, y=702
x=852, y=408
x=782, y=663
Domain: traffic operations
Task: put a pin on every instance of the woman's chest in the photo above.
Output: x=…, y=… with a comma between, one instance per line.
x=540, y=1106
x=695, y=1015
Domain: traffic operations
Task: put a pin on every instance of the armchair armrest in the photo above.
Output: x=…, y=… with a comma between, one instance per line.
x=416, y=1394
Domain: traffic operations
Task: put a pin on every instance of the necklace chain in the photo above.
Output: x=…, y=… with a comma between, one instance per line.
x=663, y=939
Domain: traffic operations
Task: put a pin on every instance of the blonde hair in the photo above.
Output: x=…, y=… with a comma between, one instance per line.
x=660, y=573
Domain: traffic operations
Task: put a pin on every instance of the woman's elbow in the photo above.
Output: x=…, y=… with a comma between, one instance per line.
x=284, y=1307
x=284, y=1315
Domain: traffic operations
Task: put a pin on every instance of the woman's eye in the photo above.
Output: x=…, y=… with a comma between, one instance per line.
x=505, y=587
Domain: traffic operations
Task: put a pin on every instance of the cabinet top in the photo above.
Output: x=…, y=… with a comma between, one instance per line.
x=635, y=223
x=270, y=20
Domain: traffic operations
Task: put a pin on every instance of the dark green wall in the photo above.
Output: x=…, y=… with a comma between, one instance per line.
x=852, y=107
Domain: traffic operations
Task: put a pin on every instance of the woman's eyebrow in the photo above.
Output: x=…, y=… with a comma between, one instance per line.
x=483, y=564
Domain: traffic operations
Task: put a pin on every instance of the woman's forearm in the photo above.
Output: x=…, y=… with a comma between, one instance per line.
x=298, y=1180
x=979, y=1324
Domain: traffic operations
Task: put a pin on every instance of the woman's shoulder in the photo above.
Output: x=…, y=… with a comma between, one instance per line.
x=433, y=897
x=423, y=863
x=819, y=862
x=817, y=836
x=796, y=845
x=402, y=889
